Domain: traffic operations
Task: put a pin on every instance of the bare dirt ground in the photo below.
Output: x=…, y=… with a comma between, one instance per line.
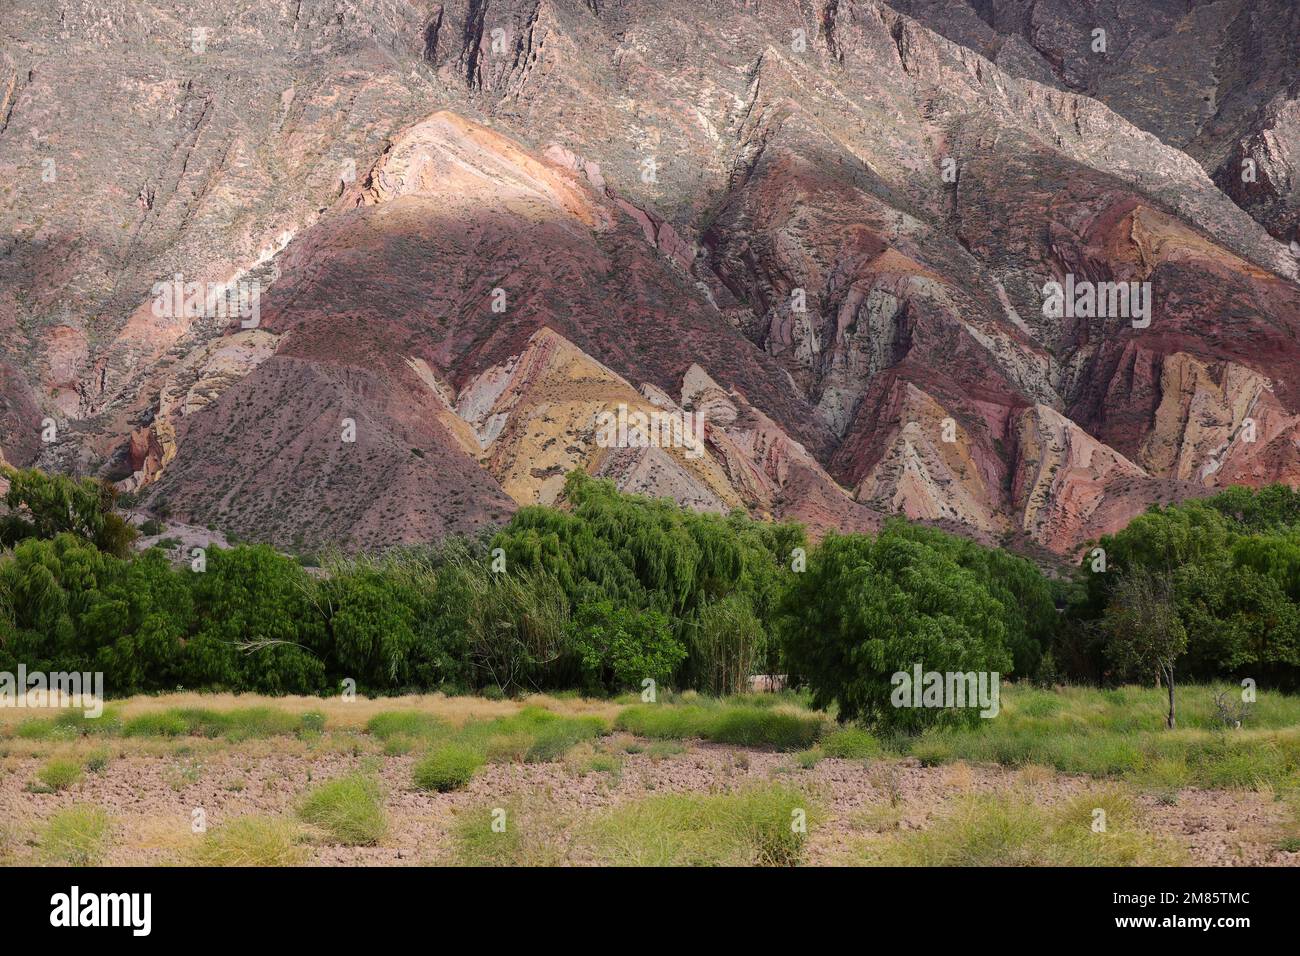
x=151, y=788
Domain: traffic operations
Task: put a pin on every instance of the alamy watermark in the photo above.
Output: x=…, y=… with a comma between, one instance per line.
x=39, y=689
x=947, y=690
x=656, y=429
x=1086, y=300
x=209, y=300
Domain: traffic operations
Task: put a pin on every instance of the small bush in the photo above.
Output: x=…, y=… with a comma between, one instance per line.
x=312, y=722
x=97, y=759
x=449, y=767
x=933, y=751
x=74, y=837
x=252, y=841
x=349, y=809
x=556, y=739
x=59, y=775
x=398, y=745
x=850, y=743
x=807, y=759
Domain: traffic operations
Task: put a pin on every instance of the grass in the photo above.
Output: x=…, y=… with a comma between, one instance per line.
x=763, y=826
x=850, y=743
x=68, y=725
x=1119, y=734
x=238, y=724
x=513, y=835
x=1014, y=830
x=166, y=723
x=406, y=724
x=531, y=735
x=252, y=841
x=741, y=724
x=807, y=759
x=448, y=767
x=75, y=836
x=349, y=809
x=59, y=775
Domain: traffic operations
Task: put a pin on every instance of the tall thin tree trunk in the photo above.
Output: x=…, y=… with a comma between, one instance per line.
x=1169, y=680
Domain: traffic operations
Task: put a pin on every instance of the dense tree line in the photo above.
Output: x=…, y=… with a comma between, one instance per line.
x=1222, y=574
x=610, y=590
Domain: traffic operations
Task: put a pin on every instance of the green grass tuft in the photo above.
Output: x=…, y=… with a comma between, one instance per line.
x=445, y=768
x=59, y=775
x=349, y=809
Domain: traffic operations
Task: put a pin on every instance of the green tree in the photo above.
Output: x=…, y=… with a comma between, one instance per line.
x=1144, y=629
x=257, y=628
x=867, y=608
x=43, y=506
x=45, y=587
x=619, y=647
x=139, y=624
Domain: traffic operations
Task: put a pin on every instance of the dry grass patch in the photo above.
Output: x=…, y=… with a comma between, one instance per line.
x=75, y=836
x=1101, y=828
x=252, y=841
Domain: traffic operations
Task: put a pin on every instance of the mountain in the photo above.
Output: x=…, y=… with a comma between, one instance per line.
x=468, y=233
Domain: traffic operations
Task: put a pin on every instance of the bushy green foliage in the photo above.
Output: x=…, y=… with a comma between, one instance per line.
x=635, y=553
x=447, y=767
x=620, y=647
x=349, y=809
x=727, y=645
x=609, y=589
x=1233, y=566
x=60, y=774
x=727, y=723
x=867, y=608
x=850, y=743
x=406, y=723
x=44, y=506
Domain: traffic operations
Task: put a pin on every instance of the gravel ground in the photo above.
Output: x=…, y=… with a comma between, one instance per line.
x=151, y=789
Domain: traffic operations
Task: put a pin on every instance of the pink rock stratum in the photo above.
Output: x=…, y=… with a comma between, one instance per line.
x=473, y=227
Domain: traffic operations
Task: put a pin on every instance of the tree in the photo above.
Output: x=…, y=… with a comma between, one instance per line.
x=139, y=624
x=42, y=506
x=369, y=621
x=1144, y=629
x=622, y=646
x=868, y=608
x=257, y=629
x=45, y=588
x=727, y=643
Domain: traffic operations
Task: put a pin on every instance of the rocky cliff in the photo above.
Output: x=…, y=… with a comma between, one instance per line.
x=434, y=246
